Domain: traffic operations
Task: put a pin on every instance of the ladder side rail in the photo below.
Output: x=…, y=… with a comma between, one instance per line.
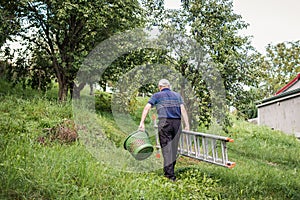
x=207, y=135
x=210, y=161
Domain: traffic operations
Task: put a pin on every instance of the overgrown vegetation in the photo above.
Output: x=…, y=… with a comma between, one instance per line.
x=267, y=161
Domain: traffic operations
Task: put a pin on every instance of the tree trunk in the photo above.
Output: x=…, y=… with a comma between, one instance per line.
x=62, y=81
x=91, y=89
x=77, y=89
x=62, y=89
x=62, y=86
x=71, y=86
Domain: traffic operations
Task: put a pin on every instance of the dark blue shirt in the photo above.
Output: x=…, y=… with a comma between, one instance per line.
x=167, y=103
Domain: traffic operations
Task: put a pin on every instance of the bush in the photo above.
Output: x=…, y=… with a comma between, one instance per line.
x=103, y=101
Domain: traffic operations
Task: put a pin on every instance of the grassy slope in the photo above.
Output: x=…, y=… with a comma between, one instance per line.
x=267, y=162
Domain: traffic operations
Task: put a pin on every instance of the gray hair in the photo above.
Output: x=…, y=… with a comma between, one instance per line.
x=164, y=83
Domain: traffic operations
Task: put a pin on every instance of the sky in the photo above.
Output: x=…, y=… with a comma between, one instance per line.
x=270, y=21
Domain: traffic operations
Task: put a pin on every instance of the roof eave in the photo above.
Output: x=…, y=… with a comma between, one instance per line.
x=280, y=97
x=291, y=83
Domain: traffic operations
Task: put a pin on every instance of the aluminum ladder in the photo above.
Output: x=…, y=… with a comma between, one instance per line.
x=201, y=146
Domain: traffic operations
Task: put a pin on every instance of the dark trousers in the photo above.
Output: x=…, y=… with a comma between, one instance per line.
x=169, y=133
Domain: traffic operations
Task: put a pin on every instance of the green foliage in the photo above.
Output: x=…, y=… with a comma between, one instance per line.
x=8, y=23
x=266, y=144
x=38, y=76
x=280, y=65
x=63, y=33
x=66, y=31
x=103, y=101
x=214, y=26
x=246, y=109
x=111, y=129
x=140, y=103
x=131, y=59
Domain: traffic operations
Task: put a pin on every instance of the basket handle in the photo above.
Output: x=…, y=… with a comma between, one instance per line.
x=143, y=131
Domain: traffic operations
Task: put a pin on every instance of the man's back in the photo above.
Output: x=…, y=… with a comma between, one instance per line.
x=167, y=104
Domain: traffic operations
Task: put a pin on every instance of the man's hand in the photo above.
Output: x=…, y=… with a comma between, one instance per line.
x=144, y=114
x=186, y=128
x=142, y=127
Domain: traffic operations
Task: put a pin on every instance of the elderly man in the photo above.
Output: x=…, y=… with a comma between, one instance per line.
x=170, y=110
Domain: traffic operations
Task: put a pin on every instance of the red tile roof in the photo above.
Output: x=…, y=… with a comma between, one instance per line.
x=292, y=82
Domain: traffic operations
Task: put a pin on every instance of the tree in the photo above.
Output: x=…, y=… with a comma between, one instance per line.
x=279, y=66
x=68, y=29
x=214, y=26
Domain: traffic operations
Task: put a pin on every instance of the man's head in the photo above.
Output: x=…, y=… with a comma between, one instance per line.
x=163, y=83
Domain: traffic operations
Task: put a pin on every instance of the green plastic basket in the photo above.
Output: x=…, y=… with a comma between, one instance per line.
x=138, y=144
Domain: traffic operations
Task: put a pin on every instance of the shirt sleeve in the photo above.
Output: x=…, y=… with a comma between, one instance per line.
x=153, y=100
x=180, y=99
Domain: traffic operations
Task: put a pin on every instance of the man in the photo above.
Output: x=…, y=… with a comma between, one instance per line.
x=170, y=110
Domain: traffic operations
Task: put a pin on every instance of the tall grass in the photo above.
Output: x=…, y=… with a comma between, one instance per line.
x=267, y=161
x=33, y=170
x=267, y=164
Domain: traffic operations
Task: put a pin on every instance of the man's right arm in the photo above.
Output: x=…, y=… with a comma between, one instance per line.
x=144, y=115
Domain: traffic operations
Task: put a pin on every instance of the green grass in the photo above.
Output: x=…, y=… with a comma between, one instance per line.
x=267, y=161
x=267, y=164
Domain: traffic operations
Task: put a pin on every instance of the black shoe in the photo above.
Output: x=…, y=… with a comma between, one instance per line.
x=172, y=178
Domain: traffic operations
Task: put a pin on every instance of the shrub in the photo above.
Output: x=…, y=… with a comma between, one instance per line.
x=103, y=101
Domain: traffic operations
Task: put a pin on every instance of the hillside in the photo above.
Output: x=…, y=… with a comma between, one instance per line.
x=36, y=163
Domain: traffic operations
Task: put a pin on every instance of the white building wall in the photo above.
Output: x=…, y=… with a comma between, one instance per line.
x=282, y=115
